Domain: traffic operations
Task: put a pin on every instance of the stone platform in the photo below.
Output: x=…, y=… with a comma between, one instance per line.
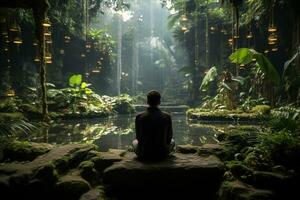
x=178, y=175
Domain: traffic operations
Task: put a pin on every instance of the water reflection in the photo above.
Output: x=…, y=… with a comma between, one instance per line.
x=118, y=132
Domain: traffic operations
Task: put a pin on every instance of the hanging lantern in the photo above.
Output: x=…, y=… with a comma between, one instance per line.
x=96, y=70
x=37, y=59
x=88, y=46
x=67, y=39
x=184, y=29
x=48, y=56
x=6, y=39
x=49, y=61
x=184, y=18
x=46, y=22
x=272, y=38
x=47, y=33
x=17, y=41
x=4, y=32
x=272, y=29
x=250, y=35
x=82, y=55
x=9, y=93
x=14, y=28
x=35, y=43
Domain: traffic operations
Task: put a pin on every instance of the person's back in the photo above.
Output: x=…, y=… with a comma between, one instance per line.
x=153, y=131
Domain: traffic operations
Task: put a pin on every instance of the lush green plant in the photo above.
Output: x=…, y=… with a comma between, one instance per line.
x=9, y=128
x=283, y=147
x=247, y=56
x=208, y=78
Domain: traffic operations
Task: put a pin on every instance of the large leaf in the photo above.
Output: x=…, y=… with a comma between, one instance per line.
x=289, y=62
x=75, y=80
x=246, y=56
x=268, y=69
x=208, y=78
x=242, y=56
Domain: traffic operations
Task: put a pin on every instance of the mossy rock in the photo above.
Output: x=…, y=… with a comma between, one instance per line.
x=236, y=190
x=25, y=151
x=71, y=187
x=88, y=172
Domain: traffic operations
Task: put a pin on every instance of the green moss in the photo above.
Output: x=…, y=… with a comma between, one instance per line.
x=24, y=151
x=261, y=109
x=223, y=115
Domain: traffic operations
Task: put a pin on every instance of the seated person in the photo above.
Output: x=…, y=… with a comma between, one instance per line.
x=153, y=131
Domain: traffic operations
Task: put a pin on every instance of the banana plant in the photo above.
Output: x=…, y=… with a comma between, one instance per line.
x=246, y=56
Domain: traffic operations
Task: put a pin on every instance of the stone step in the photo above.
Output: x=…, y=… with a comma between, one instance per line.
x=173, y=176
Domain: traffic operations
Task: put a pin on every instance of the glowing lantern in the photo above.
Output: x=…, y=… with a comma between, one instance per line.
x=48, y=56
x=184, y=29
x=14, y=28
x=17, y=40
x=96, y=70
x=272, y=29
x=9, y=93
x=249, y=36
x=37, y=59
x=274, y=49
x=184, y=18
x=47, y=33
x=82, y=55
x=266, y=51
x=46, y=23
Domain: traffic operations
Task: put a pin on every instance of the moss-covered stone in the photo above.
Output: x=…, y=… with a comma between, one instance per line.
x=71, y=187
x=223, y=115
x=186, y=149
x=236, y=190
x=25, y=151
x=88, y=172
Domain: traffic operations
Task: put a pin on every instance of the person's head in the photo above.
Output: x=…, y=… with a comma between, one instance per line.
x=153, y=98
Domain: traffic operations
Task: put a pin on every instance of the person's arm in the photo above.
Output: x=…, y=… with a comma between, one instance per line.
x=170, y=131
x=137, y=128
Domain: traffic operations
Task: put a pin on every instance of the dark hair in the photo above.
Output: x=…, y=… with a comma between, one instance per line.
x=153, y=98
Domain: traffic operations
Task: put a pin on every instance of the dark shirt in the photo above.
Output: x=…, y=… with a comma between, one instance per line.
x=153, y=132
